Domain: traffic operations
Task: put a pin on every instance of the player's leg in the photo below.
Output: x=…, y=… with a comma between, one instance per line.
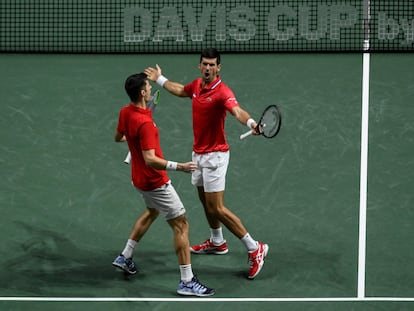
x=124, y=260
x=180, y=229
x=189, y=285
x=212, y=220
x=216, y=210
x=143, y=223
x=213, y=170
x=257, y=251
x=210, y=173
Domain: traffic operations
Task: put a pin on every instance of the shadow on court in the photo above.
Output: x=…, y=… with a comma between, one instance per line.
x=50, y=261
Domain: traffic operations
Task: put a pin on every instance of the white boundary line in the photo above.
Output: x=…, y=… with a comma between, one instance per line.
x=131, y=299
x=363, y=176
x=364, y=155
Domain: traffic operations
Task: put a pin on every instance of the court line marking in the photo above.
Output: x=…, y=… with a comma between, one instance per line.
x=363, y=177
x=132, y=299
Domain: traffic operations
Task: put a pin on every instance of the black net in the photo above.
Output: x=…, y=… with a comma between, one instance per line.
x=102, y=26
x=392, y=25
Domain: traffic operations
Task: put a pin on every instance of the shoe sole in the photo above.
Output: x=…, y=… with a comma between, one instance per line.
x=182, y=293
x=209, y=252
x=123, y=269
x=266, y=250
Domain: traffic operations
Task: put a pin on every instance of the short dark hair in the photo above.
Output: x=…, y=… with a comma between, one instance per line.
x=210, y=53
x=134, y=84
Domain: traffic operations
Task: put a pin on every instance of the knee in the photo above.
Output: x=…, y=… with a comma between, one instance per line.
x=214, y=208
x=180, y=225
x=152, y=213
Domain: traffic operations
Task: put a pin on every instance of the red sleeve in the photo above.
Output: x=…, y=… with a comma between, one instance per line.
x=230, y=100
x=121, y=122
x=190, y=87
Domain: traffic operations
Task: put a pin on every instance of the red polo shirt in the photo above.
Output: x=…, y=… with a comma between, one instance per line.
x=209, y=106
x=142, y=134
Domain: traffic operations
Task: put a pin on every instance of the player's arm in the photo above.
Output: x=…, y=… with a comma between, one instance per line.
x=244, y=118
x=175, y=88
x=155, y=162
x=119, y=137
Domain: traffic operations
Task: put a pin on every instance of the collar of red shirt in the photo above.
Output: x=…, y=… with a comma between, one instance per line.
x=138, y=108
x=213, y=84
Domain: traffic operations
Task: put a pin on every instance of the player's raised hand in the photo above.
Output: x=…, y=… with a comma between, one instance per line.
x=153, y=73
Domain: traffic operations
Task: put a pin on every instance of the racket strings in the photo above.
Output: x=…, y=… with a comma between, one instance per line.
x=270, y=122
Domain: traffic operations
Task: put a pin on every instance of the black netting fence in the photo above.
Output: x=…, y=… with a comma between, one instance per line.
x=122, y=26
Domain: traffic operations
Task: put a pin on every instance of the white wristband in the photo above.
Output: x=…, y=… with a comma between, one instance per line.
x=250, y=122
x=161, y=80
x=171, y=166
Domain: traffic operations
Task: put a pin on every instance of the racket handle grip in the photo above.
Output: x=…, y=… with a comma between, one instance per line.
x=128, y=158
x=248, y=133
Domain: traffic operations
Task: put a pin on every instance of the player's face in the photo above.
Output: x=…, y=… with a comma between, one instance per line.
x=209, y=69
x=147, y=91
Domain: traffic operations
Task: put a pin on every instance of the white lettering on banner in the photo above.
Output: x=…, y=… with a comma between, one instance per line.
x=389, y=28
x=137, y=16
x=197, y=30
x=242, y=21
x=168, y=26
x=239, y=23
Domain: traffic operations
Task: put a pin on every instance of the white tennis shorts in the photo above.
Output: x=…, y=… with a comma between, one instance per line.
x=211, y=170
x=164, y=199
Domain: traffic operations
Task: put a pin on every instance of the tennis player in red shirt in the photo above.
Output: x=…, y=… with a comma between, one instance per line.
x=149, y=176
x=211, y=100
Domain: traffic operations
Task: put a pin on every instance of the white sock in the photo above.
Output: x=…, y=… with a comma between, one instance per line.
x=250, y=244
x=217, y=236
x=128, y=251
x=186, y=273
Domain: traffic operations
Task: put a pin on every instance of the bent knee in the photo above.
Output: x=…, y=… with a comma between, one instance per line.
x=179, y=223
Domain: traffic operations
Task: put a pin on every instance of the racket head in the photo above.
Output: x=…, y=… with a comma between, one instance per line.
x=270, y=121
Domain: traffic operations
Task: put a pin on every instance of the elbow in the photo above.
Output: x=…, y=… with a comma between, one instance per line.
x=147, y=162
x=150, y=159
x=150, y=162
x=119, y=138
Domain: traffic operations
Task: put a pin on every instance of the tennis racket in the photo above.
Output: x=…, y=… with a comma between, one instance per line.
x=151, y=105
x=269, y=123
